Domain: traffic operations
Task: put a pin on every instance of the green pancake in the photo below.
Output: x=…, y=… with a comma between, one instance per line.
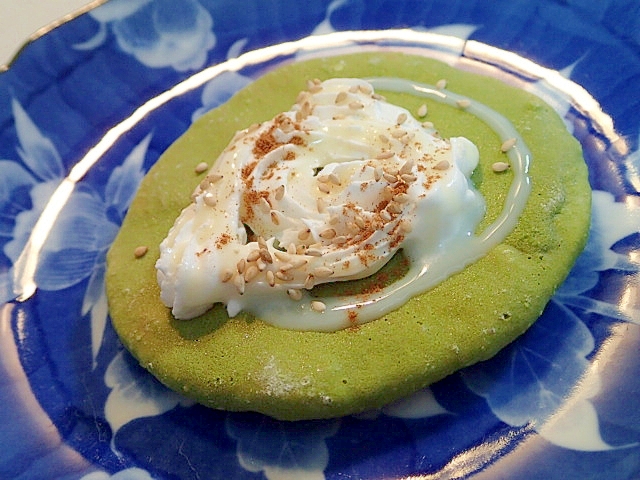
x=244, y=363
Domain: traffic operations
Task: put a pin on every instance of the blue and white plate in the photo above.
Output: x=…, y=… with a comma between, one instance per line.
x=86, y=109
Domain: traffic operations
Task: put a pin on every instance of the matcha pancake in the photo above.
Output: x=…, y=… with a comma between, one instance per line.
x=242, y=362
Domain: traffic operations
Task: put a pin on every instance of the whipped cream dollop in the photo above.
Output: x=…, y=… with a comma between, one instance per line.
x=328, y=191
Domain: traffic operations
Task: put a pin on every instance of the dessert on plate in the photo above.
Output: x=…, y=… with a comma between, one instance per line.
x=345, y=231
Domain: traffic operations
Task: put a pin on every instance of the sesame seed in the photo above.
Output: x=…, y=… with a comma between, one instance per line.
x=261, y=264
x=508, y=145
x=241, y=265
x=385, y=215
x=408, y=178
x=271, y=279
x=318, y=306
x=422, y=110
x=341, y=98
x=227, y=275
x=328, y=233
x=253, y=255
x=398, y=133
x=322, y=272
x=406, y=167
x=282, y=256
x=334, y=219
x=313, y=252
x=383, y=138
x=285, y=267
x=464, y=103
x=500, y=167
x=262, y=243
x=442, y=165
x=384, y=155
x=401, y=198
x=298, y=262
x=356, y=105
x=339, y=240
x=292, y=249
x=238, y=281
x=274, y=217
x=324, y=188
x=359, y=221
x=202, y=167
x=321, y=205
x=294, y=294
x=250, y=273
x=366, y=89
x=377, y=96
x=441, y=84
x=304, y=233
x=377, y=173
x=322, y=178
x=279, y=193
x=209, y=199
x=353, y=89
x=140, y=251
x=389, y=177
x=284, y=276
x=394, y=207
x=333, y=178
x=309, y=282
x=265, y=255
x=427, y=125
x=405, y=226
x=401, y=118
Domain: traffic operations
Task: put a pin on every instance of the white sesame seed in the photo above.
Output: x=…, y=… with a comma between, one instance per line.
x=405, y=226
x=250, y=273
x=284, y=276
x=401, y=118
x=318, y=306
x=279, y=193
x=313, y=252
x=322, y=272
x=253, y=255
x=463, y=103
x=356, y=105
x=271, y=279
x=274, y=217
x=265, y=255
x=428, y=125
x=202, y=167
x=366, y=89
x=298, y=261
x=140, y=251
x=227, y=275
x=303, y=234
x=398, y=133
x=500, y=167
x=341, y=98
x=264, y=205
x=508, y=145
x=394, y=207
x=389, y=177
x=401, y=198
x=309, y=282
x=241, y=265
x=328, y=233
x=406, y=167
x=359, y=221
x=441, y=84
x=339, y=240
x=422, y=110
x=408, y=178
x=322, y=178
x=324, y=188
x=238, y=281
x=209, y=199
x=333, y=178
x=353, y=89
x=377, y=96
x=385, y=215
x=282, y=256
x=294, y=294
x=442, y=165
x=383, y=138
x=292, y=249
x=321, y=205
x=384, y=155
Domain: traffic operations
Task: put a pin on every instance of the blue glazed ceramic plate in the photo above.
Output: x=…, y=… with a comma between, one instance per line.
x=86, y=110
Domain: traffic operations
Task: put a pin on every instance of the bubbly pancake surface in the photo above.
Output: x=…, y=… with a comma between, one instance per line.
x=244, y=363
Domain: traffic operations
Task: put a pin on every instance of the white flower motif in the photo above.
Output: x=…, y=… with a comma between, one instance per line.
x=76, y=246
x=158, y=33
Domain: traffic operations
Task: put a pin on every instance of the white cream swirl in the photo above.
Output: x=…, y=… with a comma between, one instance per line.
x=325, y=192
